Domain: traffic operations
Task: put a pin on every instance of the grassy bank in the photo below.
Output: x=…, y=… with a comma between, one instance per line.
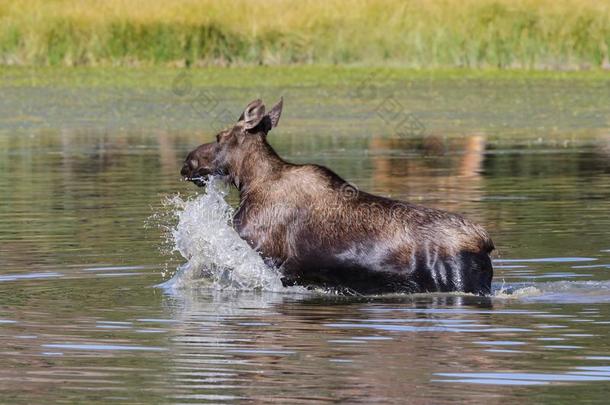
x=244, y=77
x=554, y=34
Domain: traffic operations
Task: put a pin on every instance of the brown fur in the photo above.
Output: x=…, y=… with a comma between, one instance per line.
x=320, y=230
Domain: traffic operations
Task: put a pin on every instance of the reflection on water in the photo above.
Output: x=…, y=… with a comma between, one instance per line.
x=81, y=320
x=440, y=170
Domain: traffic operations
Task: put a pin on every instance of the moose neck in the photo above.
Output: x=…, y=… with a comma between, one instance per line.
x=256, y=168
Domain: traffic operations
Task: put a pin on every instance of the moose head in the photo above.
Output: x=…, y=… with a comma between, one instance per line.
x=240, y=151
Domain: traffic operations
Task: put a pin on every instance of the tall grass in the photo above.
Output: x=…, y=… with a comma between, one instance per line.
x=414, y=33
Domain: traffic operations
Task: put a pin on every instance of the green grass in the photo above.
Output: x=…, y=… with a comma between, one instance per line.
x=532, y=34
x=264, y=76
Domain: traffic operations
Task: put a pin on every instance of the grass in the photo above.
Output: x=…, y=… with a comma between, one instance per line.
x=166, y=78
x=531, y=34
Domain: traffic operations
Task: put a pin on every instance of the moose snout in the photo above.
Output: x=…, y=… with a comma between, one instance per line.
x=189, y=167
x=199, y=164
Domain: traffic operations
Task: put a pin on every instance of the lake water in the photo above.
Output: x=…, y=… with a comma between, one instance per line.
x=85, y=178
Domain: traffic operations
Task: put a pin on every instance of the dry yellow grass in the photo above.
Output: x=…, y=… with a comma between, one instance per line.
x=417, y=33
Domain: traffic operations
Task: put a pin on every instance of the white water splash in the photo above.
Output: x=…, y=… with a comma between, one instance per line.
x=564, y=291
x=216, y=257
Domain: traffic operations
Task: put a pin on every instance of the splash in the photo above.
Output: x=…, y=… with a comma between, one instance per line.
x=216, y=257
x=564, y=291
x=514, y=291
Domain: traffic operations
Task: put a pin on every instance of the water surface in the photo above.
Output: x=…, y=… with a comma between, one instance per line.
x=84, y=174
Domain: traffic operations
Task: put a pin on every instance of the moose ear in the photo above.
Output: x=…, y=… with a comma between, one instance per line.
x=253, y=114
x=275, y=113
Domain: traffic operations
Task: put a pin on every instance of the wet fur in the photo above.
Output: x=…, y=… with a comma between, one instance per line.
x=322, y=231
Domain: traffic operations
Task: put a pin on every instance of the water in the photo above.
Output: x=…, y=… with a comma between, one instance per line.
x=87, y=235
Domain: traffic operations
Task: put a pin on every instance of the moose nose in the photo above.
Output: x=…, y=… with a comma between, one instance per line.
x=185, y=171
x=189, y=167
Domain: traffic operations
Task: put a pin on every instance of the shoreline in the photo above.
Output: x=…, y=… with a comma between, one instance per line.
x=274, y=76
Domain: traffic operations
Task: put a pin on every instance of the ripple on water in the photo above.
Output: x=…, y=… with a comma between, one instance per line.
x=564, y=291
x=115, y=268
x=500, y=343
x=518, y=378
x=29, y=276
x=102, y=347
x=547, y=260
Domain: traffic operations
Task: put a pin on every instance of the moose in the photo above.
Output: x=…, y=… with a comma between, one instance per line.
x=321, y=231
